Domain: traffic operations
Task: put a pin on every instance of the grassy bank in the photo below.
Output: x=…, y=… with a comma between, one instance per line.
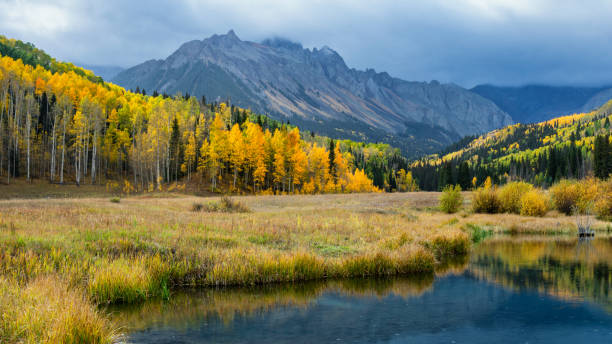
x=143, y=247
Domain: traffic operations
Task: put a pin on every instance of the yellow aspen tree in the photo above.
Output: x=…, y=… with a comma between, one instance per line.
x=217, y=150
x=190, y=155
x=236, y=151
x=359, y=182
x=318, y=165
x=279, y=148
x=299, y=170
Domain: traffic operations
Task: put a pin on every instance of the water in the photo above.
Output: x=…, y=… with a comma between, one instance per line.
x=512, y=290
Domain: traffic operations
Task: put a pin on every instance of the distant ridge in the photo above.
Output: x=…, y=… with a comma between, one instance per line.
x=536, y=103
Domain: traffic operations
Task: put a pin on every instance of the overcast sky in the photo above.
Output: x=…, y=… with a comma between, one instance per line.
x=468, y=42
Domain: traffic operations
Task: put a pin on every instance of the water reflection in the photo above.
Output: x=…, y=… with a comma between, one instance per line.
x=511, y=289
x=568, y=268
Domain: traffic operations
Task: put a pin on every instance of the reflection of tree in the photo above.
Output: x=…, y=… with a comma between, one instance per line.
x=568, y=268
x=584, y=248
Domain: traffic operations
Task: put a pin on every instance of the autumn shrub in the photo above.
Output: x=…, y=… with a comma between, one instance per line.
x=565, y=195
x=115, y=200
x=451, y=199
x=589, y=190
x=603, y=204
x=231, y=206
x=197, y=207
x=486, y=200
x=510, y=196
x=534, y=203
x=225, y=205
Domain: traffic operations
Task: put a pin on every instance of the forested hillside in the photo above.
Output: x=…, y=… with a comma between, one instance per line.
x=572, y=146
x=33, y=56
x=64, y=124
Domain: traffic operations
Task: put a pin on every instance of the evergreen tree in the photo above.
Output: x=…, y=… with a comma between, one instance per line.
x=463, y=176
x=332, y=159
x=175, y=150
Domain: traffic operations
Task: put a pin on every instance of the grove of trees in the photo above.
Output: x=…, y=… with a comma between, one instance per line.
x=67, y=128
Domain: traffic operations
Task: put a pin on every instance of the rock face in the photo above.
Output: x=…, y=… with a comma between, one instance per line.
x=315, y=89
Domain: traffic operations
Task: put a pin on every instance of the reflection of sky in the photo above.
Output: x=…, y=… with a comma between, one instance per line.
x=466, y=42
x=457, y=308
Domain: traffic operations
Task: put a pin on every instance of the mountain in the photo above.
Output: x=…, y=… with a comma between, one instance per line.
x=106, y=72
x=541, y=153
x=315, y=89
x=536, y=103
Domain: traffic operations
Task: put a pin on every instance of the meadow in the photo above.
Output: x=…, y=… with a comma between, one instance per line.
x=67, y=258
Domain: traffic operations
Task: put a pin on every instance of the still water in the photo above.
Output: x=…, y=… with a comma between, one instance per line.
x=510, y=290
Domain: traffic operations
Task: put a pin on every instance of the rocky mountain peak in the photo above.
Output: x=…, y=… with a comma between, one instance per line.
x=315, y=89
x=282, y=43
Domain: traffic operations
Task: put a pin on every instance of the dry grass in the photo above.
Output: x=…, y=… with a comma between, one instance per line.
x=147, y=246
x=46, y=310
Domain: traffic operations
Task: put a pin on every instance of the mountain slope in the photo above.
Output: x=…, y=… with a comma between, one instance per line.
x=316, y=89
x=536, y=103
x=541, y=153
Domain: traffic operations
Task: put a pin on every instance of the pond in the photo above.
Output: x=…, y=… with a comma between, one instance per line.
x=510, y=290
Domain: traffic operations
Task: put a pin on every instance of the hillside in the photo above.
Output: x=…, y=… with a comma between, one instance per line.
x=571, y=146
x=32, y=56
x=63, y=124
x=537, y=103
x=316, y=90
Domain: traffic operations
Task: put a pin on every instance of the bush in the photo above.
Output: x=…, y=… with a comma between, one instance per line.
x=510, y=196
x=534, y=203
x=197, y=207
x=451, y=199
x=225, y=205
x=603, y=204
x=115, y=200
x=485, y=200
x=565, y=195
x=230, y=206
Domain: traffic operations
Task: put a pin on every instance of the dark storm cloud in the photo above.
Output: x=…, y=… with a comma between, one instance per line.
x=466, y=42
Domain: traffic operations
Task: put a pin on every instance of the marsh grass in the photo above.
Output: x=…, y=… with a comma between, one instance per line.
x=47, y=310
x=478, y=233
x=148, y=247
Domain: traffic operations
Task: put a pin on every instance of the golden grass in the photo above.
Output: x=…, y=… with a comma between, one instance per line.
x=46, y=310
x=151, y=245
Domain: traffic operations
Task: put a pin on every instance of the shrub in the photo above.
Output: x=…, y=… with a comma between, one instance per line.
x=603, y=204
x=510, y=196
x=485, y=200
x=589, y=191
x=230, y=206
x=225, y=205
x=197, y=207
x=451, y=199
x=565, y=195
x=115, y=200
x=534, y=203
